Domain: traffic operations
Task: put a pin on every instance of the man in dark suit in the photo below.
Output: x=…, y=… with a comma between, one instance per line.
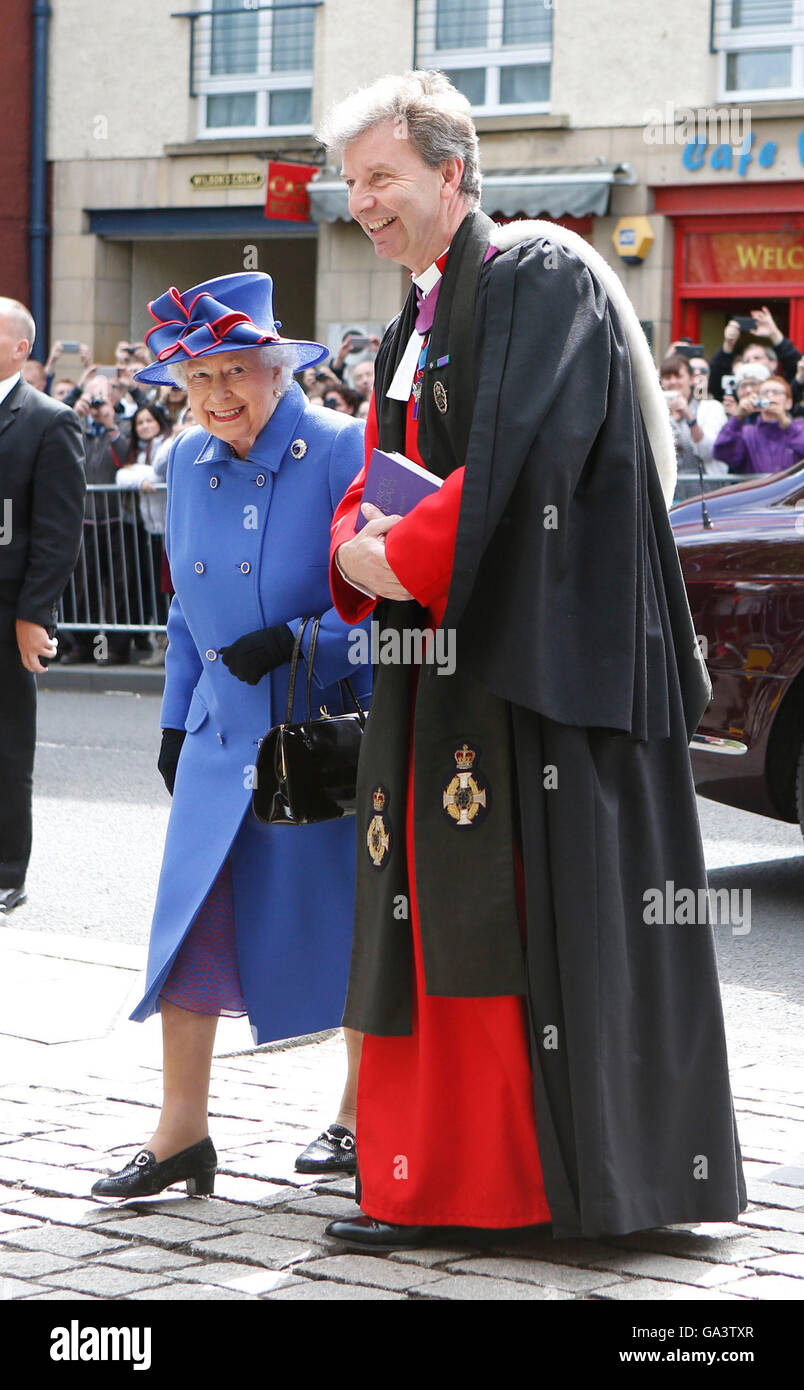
x=41, y=515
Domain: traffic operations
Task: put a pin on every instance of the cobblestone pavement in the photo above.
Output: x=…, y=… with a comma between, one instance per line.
x=79, y=1093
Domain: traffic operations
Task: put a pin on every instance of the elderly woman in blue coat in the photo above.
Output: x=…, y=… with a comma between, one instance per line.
x=249, y=918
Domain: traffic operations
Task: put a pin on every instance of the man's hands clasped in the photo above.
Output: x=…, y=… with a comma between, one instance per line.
x=362, y=559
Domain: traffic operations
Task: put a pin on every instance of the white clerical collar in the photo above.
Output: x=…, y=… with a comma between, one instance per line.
x=402, y=384
x=428, y=277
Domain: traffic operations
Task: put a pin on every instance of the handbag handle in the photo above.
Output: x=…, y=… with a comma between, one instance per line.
x=294, y=666
x=355, y=701
x=310, y=665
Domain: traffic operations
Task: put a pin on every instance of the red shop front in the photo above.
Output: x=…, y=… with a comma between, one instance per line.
x=737, y=247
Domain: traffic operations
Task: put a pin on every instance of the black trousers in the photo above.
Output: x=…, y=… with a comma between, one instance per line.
x=17, y=746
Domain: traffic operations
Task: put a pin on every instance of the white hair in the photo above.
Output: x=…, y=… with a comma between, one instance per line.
x=21, y=318
x=425, y=108
x=282, y=355
x=751, y=371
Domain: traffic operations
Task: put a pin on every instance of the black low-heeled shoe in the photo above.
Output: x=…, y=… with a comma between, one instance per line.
x=332, y=1152
x=144, y=1176
x=364, y=1233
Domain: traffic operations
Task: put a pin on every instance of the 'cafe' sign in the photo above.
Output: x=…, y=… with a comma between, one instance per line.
x=697, y=155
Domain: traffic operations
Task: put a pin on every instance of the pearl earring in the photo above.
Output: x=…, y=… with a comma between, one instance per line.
x=277, y=393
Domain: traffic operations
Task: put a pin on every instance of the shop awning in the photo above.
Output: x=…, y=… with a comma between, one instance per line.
x=555, y=191
x=248, y=220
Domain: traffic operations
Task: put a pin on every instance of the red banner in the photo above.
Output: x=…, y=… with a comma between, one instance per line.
x=287, y=197
x=743, y=258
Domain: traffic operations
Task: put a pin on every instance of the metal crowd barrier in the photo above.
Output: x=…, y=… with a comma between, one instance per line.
x=117, y=581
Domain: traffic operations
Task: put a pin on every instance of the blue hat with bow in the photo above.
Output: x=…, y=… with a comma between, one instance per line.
x=228, y=314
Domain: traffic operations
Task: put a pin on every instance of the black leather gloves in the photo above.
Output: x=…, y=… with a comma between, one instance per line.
x=168, y=760
x=253, y=656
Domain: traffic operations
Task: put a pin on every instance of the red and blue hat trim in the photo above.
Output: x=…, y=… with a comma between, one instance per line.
x=227, y=314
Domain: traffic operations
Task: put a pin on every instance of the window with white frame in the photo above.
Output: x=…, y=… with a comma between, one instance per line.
x=497, y=52
x=253, y=67
x=761, y=48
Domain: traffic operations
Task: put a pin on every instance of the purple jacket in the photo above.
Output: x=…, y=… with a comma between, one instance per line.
x=763, y=447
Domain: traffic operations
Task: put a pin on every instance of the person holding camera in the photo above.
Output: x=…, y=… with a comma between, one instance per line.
x=770, y=443
x=353, y=345
x=58, y=350
x=316, y=381
x=127, y=396
x=100, y=576
x=695, y=423
x=782, y=357
x=747, y=379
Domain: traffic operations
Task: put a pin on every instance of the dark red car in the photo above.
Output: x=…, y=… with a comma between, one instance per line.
x=742, y=554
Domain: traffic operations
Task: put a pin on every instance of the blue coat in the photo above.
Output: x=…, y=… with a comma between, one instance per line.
x=248, y=542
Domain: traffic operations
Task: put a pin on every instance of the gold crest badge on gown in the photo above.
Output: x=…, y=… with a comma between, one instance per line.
x=467, y=796
x=378, y=835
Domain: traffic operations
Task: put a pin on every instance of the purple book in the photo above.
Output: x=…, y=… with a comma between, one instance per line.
x=395, y=484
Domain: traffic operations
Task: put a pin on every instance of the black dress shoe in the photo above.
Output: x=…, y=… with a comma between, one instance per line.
x=12, y=897
x=364, y=1233
x=144, y=1176
x=332, y=1152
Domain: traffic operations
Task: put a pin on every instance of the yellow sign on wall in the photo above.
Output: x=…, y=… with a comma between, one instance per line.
x=633, y=238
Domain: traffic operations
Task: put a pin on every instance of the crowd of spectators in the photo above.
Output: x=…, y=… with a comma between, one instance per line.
x=740, y=413
x=743, y=411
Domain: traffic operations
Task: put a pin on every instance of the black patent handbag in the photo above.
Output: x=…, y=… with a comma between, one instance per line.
x=307, y=772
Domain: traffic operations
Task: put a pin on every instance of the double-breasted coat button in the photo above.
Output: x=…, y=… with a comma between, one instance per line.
x=245, y=567
x=199, y=567
x=211, y=654
x=260, y=480
x=213, y=482
x=221, y=738
x=298, y=448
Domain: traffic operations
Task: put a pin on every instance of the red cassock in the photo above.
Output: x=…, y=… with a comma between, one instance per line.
x=446, y=1132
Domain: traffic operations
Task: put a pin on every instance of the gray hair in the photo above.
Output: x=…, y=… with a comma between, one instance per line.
x=282, y=356
x=425, y=108
x=23, y=322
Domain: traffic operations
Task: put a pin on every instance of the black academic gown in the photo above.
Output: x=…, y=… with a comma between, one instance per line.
x=574, y=634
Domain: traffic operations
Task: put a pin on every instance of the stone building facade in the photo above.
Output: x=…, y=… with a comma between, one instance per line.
x=162, y=128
